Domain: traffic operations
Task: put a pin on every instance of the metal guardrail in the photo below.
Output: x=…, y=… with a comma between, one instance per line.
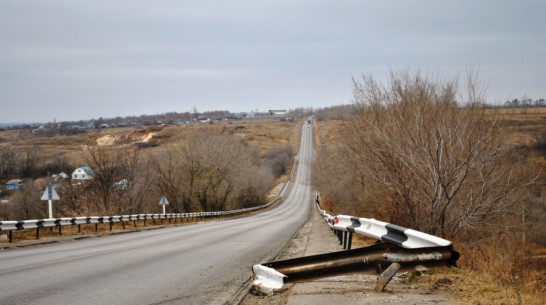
x=401, y=249
x=15, y=225
x=375, y=259
x=384, y=231
x=344, y=226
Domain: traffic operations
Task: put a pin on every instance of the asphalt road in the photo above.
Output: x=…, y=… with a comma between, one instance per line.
x=204, y=263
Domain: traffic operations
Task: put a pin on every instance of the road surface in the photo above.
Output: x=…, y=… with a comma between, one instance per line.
x=204, y=263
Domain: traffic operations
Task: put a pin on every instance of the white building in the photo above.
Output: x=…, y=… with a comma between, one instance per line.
x=277, y=113
x=82, y=175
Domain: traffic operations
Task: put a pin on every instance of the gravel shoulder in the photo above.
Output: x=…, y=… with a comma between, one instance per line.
x=315, y=237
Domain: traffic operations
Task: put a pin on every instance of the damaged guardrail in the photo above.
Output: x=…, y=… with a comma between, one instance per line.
x=344, y=226
x=399, y=249
x=383, y=258
x=387, y=232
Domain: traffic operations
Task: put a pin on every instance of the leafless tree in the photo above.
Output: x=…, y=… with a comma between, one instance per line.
x=27, y=203
x=71, y=201
x=279, y=159
x=431, y=159
x=31, y=163
x=120, y=179
x=207, y=172
x=8, y=162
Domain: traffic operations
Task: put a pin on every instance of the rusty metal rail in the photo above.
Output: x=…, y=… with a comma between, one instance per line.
x=383, y=258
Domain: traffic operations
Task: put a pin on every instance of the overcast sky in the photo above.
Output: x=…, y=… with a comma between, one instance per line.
x=74, y=60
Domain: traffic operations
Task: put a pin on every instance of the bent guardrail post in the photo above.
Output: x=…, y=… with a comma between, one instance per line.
x=269, y=277
x=386, y=276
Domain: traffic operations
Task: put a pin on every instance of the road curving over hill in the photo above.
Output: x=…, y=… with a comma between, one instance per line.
x=203, y=263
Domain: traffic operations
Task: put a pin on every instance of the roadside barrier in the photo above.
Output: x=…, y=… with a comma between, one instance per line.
x=13, y=225
x=344, y=226
x=385, y=259
x=404, y=237
x=402, y=249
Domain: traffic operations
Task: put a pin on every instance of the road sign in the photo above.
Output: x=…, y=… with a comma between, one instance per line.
x=49, y=195
x=163, y=202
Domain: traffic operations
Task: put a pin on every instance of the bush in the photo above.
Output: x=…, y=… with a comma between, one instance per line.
x=278, y=159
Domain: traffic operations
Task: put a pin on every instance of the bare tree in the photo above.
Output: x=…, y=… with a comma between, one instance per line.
x=433, y=164
x=279, y=159
x=207, y=172
x=28, y=204
x=31, y=163
x=8, y=161
x=119, y=180
x=71, y=201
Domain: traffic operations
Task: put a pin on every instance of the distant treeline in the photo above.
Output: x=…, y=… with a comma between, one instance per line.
x=168, y=118
x=520, y=103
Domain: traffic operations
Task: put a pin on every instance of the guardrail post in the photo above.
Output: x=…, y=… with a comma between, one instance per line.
x=37, y=233
x=123, y=224
x=96, y=227
x=10, y=236
x=60, y=231
x=111, y=223
x=350, y=241
x=344, y=239
x=386, y=276
x=79, y=228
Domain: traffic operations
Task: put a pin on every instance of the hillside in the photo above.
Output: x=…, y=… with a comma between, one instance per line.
x=237, y=163
x=263, y=133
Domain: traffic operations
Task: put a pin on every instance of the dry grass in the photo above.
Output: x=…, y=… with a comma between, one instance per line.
x=500, y=273
x=524, y=126
x=470, y=287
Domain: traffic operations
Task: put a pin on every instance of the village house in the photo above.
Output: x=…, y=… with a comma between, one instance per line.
x=82, y=175
x=57, y=177
x=15, y=184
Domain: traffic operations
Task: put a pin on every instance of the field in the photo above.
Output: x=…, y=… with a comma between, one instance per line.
x=525, y=126
x=262, y=133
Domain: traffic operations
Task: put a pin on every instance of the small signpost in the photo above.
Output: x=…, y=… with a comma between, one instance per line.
x=49, y=195
x=163, y=202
